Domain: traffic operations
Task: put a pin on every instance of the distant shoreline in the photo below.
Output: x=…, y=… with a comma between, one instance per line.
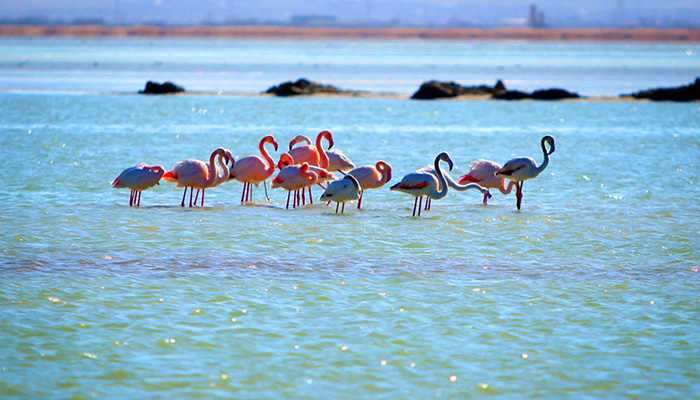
x=277, y=32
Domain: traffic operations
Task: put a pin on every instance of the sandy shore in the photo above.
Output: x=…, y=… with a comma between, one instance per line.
x=261, y=32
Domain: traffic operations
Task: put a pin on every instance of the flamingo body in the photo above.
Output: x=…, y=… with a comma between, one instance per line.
x=337, y=161
x=371, y=177
x=484, y=172
x=138, y=178
x=254, y=169
x=342, y=191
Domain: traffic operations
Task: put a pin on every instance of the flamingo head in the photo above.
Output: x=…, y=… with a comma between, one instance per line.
x=549, y=139
x=329, y=136
x=445, y=157
x=386, y=167
x=269, y=139
x=299, y=139
x=286, y=160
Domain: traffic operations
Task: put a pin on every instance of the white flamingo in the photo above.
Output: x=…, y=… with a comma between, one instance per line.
x=342, y=191
x=483, y=172
x=521, y=169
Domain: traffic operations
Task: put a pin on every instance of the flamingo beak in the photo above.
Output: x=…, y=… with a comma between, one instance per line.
x=274, y=143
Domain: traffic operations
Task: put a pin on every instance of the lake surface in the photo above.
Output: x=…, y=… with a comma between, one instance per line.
x=592, y=290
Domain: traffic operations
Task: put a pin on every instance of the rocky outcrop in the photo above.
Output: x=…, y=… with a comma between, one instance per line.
x=302, y=87
x=164, y=88
x=442, y=90
x=689, y=92
x=543, y=94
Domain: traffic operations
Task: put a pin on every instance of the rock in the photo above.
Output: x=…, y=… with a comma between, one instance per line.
x=689, y=92
x=302, y=87
x=442, y=90
x=511, y=95
x=553, y=94
x=500, y=87
x=165, y=88
x=543, y=94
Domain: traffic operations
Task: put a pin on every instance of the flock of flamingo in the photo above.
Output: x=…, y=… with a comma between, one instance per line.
x=307, y=165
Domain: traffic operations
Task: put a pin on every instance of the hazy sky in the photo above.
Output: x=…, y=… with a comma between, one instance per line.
x=423, y=12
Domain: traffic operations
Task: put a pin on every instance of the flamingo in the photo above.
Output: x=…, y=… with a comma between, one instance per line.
x=520, y=169
x=423, y=183
x=138, y=178
x=225, y=172
x=337, y=161
x=430, y=182
x=313, y=155
x=454, y=185
x=294, y=178
x=253, y=169
x=197, y=174
x=371, y=177
x=342, y=191
x=323, y=175
x=483, y=172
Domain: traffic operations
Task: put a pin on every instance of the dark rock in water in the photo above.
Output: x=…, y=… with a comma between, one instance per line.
x=500, y=87
x=544, y=94
x=302, y=87
x=442, y=90
x=689, y=92
x=553, y=94
x=511, y=95
x=164, y=88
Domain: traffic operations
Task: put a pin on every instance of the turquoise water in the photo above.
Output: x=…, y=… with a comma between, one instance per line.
x=591, y=291
x=252, y=66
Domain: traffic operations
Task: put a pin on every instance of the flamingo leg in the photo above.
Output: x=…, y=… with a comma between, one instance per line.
x=182, y=204
x=430, y=203
x=265, y=186
x=289, y=193
x=486, y=199
x=303, y=196
x=311, y=199
x=420, y=204
x=519, y=194
x=250, y=192
x=336, y=207
x=196, y=197
x=359, y=201
x=191, y=190
x=415, y=202
x=243, y=193
x=139, y=194
x=131, y=198
x=203, y=197
x=343, y=209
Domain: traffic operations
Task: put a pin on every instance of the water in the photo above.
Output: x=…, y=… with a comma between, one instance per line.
x=590, y=291
x=252, y=66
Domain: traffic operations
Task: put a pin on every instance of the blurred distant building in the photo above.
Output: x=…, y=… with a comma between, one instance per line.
x=536, y=17
x=313, y=20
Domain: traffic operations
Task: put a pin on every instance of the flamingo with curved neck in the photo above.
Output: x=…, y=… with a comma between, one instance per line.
x=323, y=175
x=222, y=177
x=371, y=177
x=313, y=155
x=520, y=169
x=254, y=169
x=424, y=183
x=194, y=174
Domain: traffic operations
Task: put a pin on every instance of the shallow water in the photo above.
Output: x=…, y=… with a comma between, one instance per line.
x=590, y=291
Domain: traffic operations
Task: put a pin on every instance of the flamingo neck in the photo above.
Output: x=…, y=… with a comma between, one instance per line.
x=323, y=157
x=506, y=190
x=266, y=156
x=436, y=193
x=299, y=139
x=385, y=170
x=211, y=168
x=224, y=168
x=544, y=164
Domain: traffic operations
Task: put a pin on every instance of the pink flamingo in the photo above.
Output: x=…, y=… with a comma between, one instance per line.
x=323, y=175
x=371, y=177
x=253, y=169
x=138, y=178
x=223, y=176
x=313, y=155
x=337, y=161
x=483, y=172
x=520, y=169
x=196, y=174
x=294, y=178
